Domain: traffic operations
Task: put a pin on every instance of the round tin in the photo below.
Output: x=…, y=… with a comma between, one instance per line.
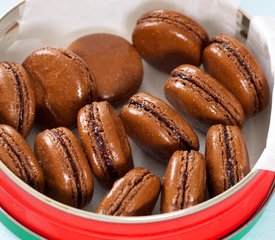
x=215, y=218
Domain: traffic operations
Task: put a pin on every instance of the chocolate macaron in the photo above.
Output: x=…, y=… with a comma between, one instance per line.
x=230, y=62
x=226, y=158
x=62, y=83
x=17, y=99
x=115, y=63
x=135, y=194
x=202, y=98
x=105, y=142
x=156, y=127
x=167, y=39
x=184, y=183
x=17, y=155
x=67, y=172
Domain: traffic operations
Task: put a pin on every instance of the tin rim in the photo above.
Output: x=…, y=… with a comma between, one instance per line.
x=12, y=8
x=135, y=219
x=21, y=231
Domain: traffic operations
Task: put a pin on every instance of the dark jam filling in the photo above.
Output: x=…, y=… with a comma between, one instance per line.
x=162, y=119
x=244, y=65
x=61, y=139
x=229, y=167
x=215, y=98
x=30, y=180
x=184, y=180
x=113, y=174
x=21, y=96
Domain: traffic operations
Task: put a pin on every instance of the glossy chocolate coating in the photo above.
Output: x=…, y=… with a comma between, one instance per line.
x=184, y=182
x=230, y=62
x=202, y=98
x=226, y=158
x=17, y=99
x=17, y=155
x=115, y=63
x=105, y=142
x=167, y=39
x=135, y=194
x=67, y=173
x=156, y=127
x=62, y=84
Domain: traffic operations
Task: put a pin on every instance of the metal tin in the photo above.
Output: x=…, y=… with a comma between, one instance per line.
x=9, y=25
x=212, y=219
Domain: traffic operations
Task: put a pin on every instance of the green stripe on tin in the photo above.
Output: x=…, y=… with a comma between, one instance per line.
x=246, y=229
x=20, y=231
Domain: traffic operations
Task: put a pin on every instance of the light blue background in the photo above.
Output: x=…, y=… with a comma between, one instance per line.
x=265, y=228
x=259, y=8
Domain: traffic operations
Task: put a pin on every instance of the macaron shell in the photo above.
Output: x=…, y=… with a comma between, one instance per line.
x=114, y=137
x=16, y=93
x=60, y=173
x=145, y=198
x=238, y=144
x=62, y=84
x=216, y=175
x=216, y=158
x=150, y=134
x=45, y=146
x=115, y=63
x=204, y=100
x=133, y=119
x=164, y=40
x=223, y=66
x=196, y=182
x=124, y=200
x=174, y=190
x=17, y=155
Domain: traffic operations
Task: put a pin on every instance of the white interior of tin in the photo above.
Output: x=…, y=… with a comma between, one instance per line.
x=9, y=23
x=58, y=25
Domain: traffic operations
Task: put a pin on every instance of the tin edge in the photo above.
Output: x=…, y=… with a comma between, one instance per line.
x=129, y=220
x=12, y=8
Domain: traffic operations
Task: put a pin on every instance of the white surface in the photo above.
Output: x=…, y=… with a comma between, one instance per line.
x=261, y=41
x=70, y=19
